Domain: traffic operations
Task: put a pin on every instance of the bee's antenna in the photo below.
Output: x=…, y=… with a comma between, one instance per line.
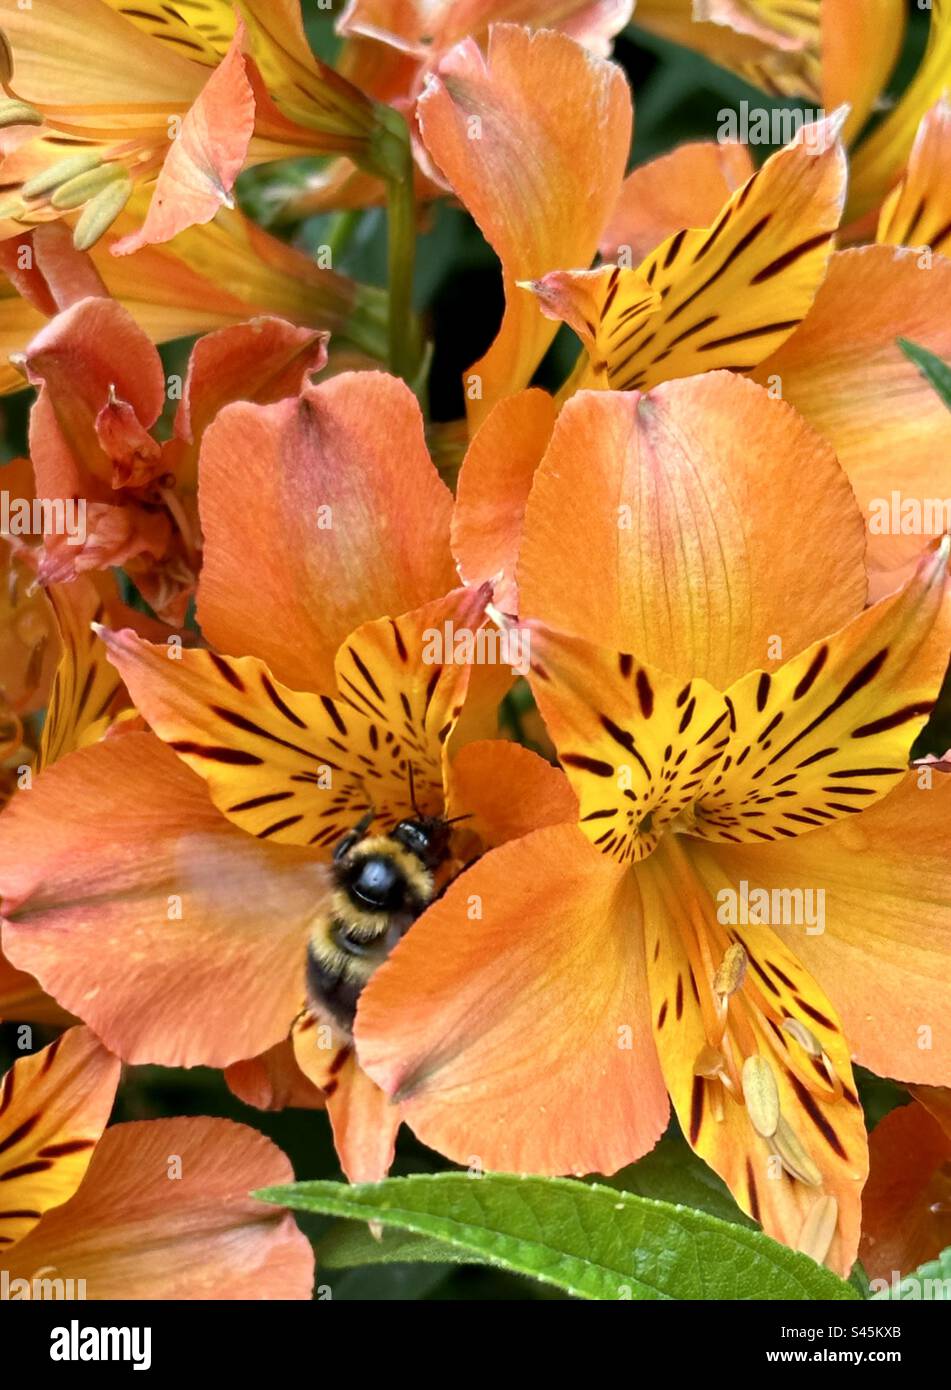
x=412, y=790
x=454, y=819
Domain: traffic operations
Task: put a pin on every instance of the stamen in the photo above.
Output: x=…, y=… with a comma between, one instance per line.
x=818, y=1229
x=761, y=1095
x=100, y=212
x=794, y=1157
x=732, y=971
x=803, y=1036
x=13, y=113
x=78, y=190
x=59, y=173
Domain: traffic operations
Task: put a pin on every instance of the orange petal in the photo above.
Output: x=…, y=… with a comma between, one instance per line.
x=541, y=184
x=675, y=500
x=860, y=47
x=273, y=1081
x=494, y=483
x=22, y=1000
x=708, y=1038
x=918, y=211
x=511, y=1022
x=775, y=47
x=86, y=691
x=844, y=371
x=178, y=937
x=164, y=1213
x=885, y=953
x=686, y=188
x=333, y=495
x=206, y=156
x=300, y=769
x=53, y=1107
x=728, y=294
x=907, y=1208
x=506, y=791
x=878, y=161
x=363, y=1118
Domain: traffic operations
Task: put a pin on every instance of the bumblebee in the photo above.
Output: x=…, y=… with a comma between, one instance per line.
x=382, y=883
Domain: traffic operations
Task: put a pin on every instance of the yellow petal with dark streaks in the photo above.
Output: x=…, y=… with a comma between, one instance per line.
x=878, y=161
x=188, y=30
x=85, y=686
x=729, y=294
x=918, y=211
x=635, y=742
x=777, y=1015
x=830, y=733
x=301, y=768
x=53, y=1107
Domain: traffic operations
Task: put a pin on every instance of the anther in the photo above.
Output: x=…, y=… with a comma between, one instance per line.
x=14, y=113
x=732, y=971
x=100, y=212
x=818, y=1228
x=59, y=173
x=794, y=1157
x=761, y=1095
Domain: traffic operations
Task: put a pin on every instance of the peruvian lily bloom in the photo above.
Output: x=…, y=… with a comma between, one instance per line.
x=102, y=389
x=221, y=273
x=737, y=731
x=907, y=1207
x=392, y=46
x=778, y=47
x=155, y=1209
x=164, y=97
x=715, y=265
x=181, y=937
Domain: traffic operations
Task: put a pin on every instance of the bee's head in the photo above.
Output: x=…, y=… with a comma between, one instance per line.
x=425, y=836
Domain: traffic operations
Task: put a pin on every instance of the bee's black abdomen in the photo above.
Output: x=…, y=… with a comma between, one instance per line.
x=338, y=995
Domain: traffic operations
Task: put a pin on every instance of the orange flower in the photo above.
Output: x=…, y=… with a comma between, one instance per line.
x=156, y=96
x=719, y=742
x=716, y=265
x=224, y=873
x=102, y=390
x=213, y=275
x=155, y=1209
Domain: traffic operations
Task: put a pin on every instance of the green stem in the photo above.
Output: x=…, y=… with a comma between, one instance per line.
x=395, y=153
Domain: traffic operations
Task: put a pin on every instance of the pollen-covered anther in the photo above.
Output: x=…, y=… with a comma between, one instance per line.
x=818, y=1229
x=761, y=1095
x=731, y=972
x=77, y=191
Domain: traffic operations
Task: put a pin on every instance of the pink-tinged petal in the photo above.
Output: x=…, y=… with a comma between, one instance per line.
x=274, y=1081
x=54, y=1105
x=319, y=514
x=165, y=1213
x=265, y=360
x=90, y=353
x=178, y=937
x=513, y=1022
x=204, y=158
x=906, y=1209
x=506, y=791
x=652, y=526
x=845, y=373
x=686, y=188
x=539, y=179
x=884, y=953
x=494, y=483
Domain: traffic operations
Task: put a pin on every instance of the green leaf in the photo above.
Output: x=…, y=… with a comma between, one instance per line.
x=592, y=1241
x=936, y=372
x=671, y=1172
x=930, y=1282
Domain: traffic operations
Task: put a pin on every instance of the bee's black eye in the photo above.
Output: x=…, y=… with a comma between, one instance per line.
x=378, y=883
x=413, y=837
